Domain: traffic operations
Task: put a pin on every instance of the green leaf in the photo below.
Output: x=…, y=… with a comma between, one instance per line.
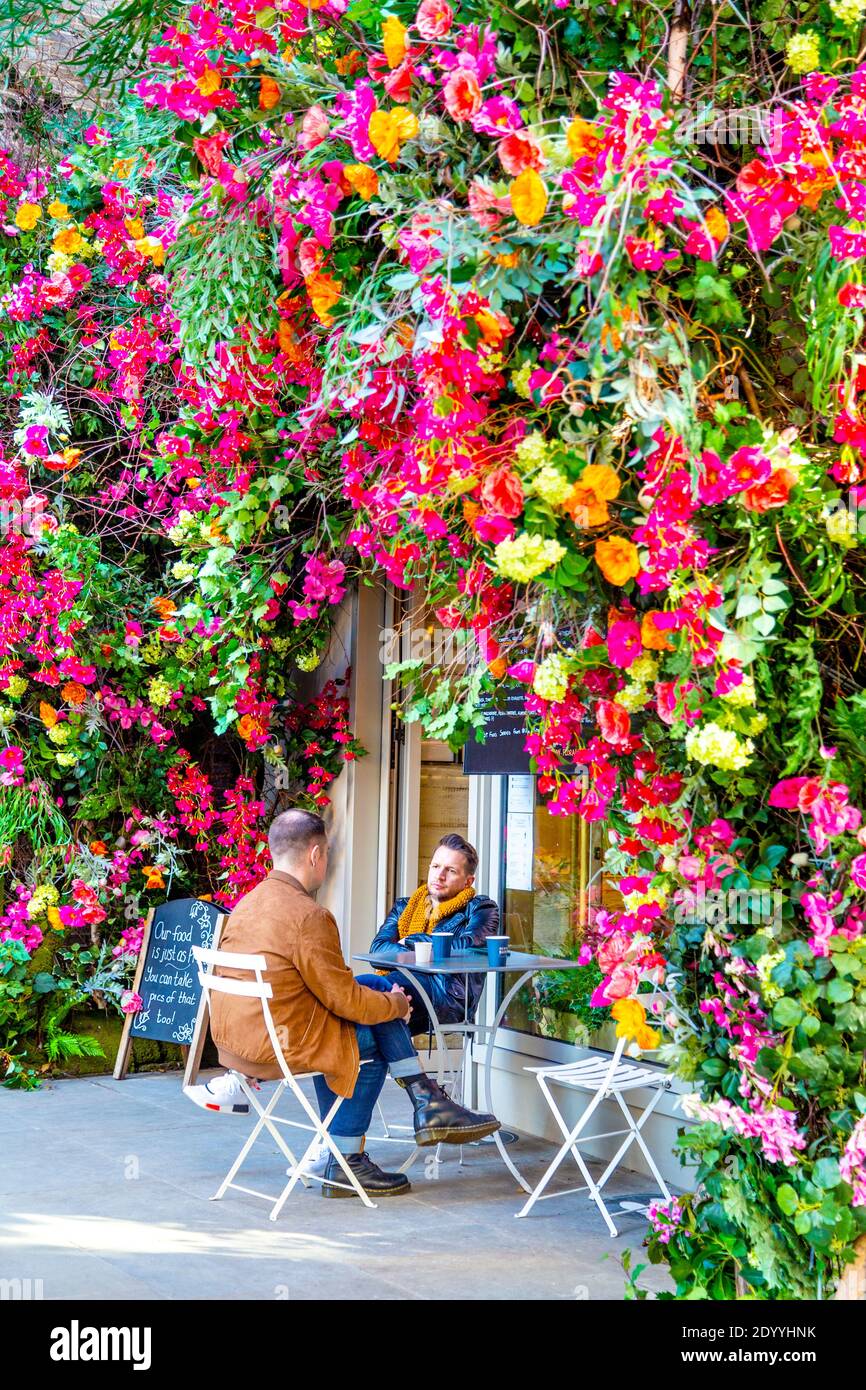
x=787, y=1199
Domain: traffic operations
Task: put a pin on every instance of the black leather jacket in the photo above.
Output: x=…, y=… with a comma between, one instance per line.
x=477, y=920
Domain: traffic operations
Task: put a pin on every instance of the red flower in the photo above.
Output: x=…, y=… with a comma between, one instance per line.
x=502, y=492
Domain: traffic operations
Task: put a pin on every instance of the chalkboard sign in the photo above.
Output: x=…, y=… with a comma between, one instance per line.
x=167, y=976
x=504, y=736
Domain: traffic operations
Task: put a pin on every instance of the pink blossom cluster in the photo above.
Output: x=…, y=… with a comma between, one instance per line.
x=774, y=1128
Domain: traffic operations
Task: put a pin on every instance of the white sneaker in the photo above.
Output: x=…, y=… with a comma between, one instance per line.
x=221, y=1093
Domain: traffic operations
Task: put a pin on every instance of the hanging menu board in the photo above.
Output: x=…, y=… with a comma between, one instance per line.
x=502, y=751
x=167, y=975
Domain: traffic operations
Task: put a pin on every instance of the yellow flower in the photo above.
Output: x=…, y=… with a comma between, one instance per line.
x=123, y=167
x=67, y=241
x=362, y=179
x=151, y=248
x=54, y=919
x=617, y=558
x=59, y=211
x=27, y=216
x=528, y=197
x=527, y=556
x=135, y=227
x=582, y=138
x=388, y=130
x=629, y=1015
x=394, y=41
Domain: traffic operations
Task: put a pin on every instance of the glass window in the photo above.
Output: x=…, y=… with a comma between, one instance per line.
x=444, y=800
x=549, y=887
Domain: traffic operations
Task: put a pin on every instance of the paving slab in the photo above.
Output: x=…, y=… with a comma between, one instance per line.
x=105, y=1192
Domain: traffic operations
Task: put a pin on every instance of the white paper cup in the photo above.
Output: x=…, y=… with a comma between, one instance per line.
x=423, y=952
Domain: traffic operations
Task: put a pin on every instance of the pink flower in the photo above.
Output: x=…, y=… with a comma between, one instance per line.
x=858, y=871
x=12, y=766
x=434, y=19
x=462, y=94
x=623, y=642
x=852, y=1165
x=130, y=1002
x=623, y=982
x=845, y=245
x=314, y=128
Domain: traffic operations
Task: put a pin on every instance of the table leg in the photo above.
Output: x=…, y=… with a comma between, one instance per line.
x=488, y=1071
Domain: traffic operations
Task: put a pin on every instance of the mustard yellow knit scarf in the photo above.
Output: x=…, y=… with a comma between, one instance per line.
x=415, y=916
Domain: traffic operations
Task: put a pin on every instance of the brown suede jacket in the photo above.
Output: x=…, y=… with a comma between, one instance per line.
x=316, y=1001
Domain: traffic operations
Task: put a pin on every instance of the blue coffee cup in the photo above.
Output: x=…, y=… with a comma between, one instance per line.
x=497, y=950
x=442, y=944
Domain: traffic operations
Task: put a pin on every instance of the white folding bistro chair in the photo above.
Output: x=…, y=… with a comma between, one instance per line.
x=298, y=1169
x=602, y=1078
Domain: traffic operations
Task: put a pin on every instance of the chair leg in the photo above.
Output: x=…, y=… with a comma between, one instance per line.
x=321, y=1135
x=570, y=1145
x=262, y=1123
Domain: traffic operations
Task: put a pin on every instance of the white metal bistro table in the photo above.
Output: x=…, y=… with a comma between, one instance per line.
x=467, y=963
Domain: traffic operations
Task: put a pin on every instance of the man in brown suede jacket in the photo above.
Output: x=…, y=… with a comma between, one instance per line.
x=326, y=1021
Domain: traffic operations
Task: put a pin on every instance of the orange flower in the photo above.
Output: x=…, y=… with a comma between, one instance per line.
x=362, y=179
x=122, y=168
x=587, y=503
x=509, y=260
x=324, y=292
x=497, y=667
x=528, y=197
x=165, y=607
x=48, y=714
x=582, y=139
x=394, y=41
x=248, y=727
x=135, y=227
x=269, y=93
x=74, y=693
x=824, y=177
x=388, y=130
x=153, y=875
x=210, y=81
x=98, y=847
x=718, y=225
x=288, y=342
x=470, y=510
x=54, y=918
x=653, y=637
x=350, y=62
x=617, y=558
x=495, y=327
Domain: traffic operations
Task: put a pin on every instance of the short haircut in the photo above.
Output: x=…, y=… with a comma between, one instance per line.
x=293, y=831
x=469, y=852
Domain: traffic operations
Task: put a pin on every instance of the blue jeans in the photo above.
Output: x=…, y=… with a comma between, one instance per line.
x=383, y=1047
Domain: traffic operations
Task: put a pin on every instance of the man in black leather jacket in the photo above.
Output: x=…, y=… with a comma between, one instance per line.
x=448, y=903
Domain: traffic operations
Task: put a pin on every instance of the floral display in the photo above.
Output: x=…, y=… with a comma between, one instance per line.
x=454, y=299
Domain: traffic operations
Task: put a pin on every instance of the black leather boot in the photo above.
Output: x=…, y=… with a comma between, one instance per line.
x=439, y=1119
x=374, y=1182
